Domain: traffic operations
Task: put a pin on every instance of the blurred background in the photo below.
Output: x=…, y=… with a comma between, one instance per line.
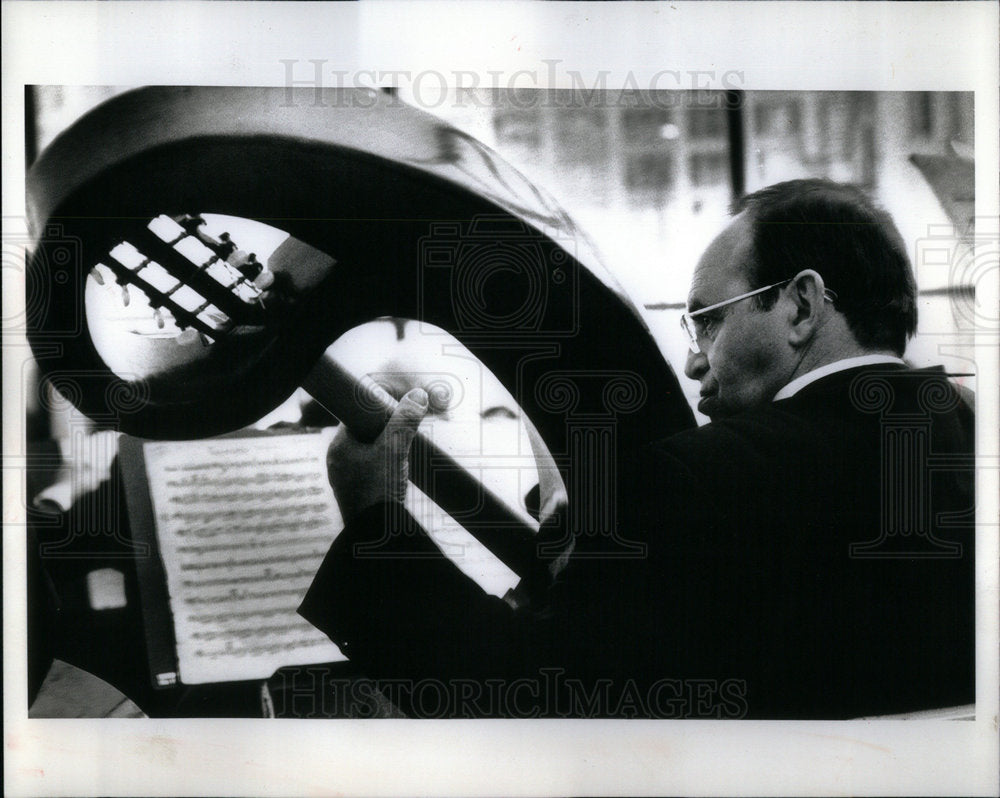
x=650, y=177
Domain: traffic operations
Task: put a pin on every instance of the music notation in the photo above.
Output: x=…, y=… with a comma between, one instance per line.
x=243, y=524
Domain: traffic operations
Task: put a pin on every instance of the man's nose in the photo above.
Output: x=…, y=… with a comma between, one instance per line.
x=696, y=365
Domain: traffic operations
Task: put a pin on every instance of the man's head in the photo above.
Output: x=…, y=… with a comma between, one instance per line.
x=842, y=286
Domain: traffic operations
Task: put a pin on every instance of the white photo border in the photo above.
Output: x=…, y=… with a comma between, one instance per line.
x=775, y=45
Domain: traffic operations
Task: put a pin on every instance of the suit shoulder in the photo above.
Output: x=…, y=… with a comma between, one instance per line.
x=752, y=440
x=748, y=427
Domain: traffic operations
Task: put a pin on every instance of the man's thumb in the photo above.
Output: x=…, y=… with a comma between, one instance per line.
x=408, y=414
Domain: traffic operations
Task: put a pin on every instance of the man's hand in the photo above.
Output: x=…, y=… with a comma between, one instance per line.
x=365, y=474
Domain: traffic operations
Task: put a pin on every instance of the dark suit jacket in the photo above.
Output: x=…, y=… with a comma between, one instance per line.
x=813, y=558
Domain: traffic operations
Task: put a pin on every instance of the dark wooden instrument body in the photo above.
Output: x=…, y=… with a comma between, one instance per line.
x=423, y=222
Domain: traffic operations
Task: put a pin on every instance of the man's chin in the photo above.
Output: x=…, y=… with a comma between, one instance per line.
x=713, y=408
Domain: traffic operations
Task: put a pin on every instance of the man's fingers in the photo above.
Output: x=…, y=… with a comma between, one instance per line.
x=406, y=418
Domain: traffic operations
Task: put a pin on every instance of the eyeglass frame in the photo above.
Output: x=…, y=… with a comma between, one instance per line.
x=688, y=326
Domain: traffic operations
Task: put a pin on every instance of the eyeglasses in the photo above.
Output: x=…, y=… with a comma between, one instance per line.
x=699, y=326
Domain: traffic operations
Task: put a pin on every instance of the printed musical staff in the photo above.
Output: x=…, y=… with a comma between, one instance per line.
x=243, y=524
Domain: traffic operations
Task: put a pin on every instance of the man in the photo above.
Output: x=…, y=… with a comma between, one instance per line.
x=805, y=558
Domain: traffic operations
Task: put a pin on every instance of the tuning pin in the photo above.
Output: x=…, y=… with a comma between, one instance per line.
x=246, y=263
x=226, y=246
x=160, y=323
x=252, y=268
x=191, y=223
x=96, y=274
x=125, y=296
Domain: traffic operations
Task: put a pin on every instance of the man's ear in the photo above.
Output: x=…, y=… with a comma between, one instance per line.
x=808, y=306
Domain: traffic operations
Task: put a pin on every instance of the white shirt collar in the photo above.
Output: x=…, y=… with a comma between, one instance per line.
x=799, y=383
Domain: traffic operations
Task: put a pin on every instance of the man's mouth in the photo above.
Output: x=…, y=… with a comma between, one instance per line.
x=706, y=401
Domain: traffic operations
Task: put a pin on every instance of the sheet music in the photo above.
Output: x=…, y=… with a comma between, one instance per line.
x=243, y=525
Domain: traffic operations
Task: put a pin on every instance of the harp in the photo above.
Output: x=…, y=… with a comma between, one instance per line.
x=389, y=212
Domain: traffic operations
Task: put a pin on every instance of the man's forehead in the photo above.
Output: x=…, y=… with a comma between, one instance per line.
x=722, y=270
